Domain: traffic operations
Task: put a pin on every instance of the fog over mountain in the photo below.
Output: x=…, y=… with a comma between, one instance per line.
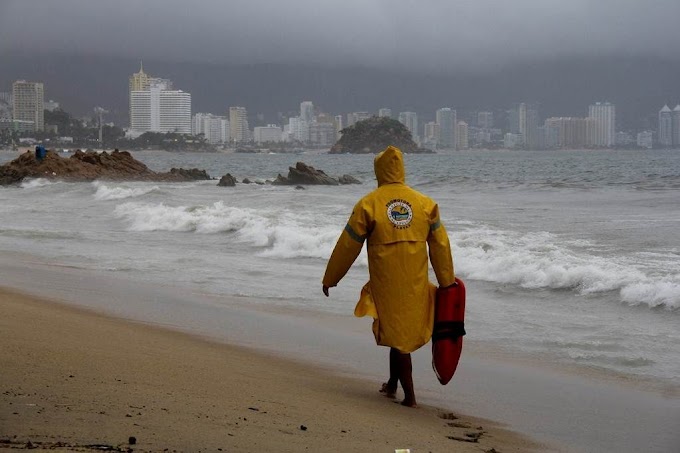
x=351, y=55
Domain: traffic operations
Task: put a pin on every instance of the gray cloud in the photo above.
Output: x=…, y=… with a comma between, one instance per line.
x=434, y=35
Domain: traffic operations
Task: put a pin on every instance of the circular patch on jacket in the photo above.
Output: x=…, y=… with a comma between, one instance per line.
x=400, y=213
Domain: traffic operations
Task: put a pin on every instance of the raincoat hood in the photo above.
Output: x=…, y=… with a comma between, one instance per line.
x=389, y=166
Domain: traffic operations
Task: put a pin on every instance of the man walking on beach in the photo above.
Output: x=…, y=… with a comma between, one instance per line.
x=399, y=224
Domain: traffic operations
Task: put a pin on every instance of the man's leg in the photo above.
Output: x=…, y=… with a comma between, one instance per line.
x=406, y=378
x=389, y=388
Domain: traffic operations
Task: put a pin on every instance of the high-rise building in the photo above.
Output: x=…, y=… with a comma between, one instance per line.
x=214, y=128
x=269, y=133
x=156, y=107
x=157, y=110
x=485, y=120
x=5, y=106
x=605, y=114
x=462, y=135
x=139, y=81
x=570, y=133
x=307, y=111
x=322, y=133
x=665, y=127
x=28, y=103
x=676, y=126
x=431, y=134
x=298, y=129
x=238, y=124
x=339, y=125
x=410, y=120
x=446, y=119
x=385, y=112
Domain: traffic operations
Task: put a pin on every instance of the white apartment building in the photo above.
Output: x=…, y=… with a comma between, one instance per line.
x=322, y=134
x=307, y=111
x=298, y=129
x=269, y=133
x=28, y=103
x=410, y=120
x=158, y=110
x=214, y=128
x=447, y=120
x=605, y=114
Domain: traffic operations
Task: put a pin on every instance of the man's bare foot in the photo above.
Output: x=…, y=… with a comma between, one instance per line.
x=409, y=403
x=390, y=391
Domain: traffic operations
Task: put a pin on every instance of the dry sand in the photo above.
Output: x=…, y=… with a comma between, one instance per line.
x=74, y=380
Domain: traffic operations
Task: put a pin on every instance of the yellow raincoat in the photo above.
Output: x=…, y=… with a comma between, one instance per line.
x=398, y=224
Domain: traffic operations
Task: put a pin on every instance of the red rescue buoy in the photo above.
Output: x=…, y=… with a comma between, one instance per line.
x=449, y=328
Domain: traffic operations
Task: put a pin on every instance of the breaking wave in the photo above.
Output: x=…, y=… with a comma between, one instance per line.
x=280, y=233
x=106, y=193
x=35, y=183
x=545, y=261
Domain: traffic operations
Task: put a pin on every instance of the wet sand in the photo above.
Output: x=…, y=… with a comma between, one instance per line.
x=75, y=380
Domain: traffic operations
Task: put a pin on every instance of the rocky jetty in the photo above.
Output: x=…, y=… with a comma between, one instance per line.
x=374, y=135
x=88, y=166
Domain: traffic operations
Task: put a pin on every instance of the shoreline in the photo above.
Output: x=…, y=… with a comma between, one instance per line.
x=80, y=378
x=567, y=411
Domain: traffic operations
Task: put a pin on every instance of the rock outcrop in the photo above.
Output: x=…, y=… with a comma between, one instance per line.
x=374, y=135
x=348, y=179
x=227, y=181
x=192, y=174
x=88, y=166
x=305, y=174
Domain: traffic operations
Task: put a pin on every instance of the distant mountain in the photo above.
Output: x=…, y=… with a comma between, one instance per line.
x=638, y=86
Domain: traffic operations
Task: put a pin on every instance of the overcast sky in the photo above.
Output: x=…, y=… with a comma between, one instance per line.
x=428, y=35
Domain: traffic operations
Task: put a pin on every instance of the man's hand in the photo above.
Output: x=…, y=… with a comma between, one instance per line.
x=325, y=290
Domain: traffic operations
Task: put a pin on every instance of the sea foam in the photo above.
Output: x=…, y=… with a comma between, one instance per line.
x=278, y=233
x=105, y=193
x=544, y=260
x=36, y=183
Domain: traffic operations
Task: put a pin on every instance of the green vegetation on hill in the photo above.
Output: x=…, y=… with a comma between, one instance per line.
x=374, y=135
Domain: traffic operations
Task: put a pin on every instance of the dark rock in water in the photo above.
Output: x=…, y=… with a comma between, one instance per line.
x=299, y=188
x=247, y=181
x=306, y=174
x=280, y=180
x=88, y=166
x=191, y=174
x=348, y=179
x=227, y=181
x=260, y=183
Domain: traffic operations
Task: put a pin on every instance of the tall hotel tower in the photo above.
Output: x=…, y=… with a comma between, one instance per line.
x=238, y=124
x=28, y=103
x=446, y=120
x=605, y=130
x=666, y=127
x=156, y=107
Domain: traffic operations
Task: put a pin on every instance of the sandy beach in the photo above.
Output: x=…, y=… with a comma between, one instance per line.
x=75, y=380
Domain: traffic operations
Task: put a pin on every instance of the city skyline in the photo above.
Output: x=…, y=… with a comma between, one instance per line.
x=155, y=106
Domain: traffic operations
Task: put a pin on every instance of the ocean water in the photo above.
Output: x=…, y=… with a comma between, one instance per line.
x=569, y=256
